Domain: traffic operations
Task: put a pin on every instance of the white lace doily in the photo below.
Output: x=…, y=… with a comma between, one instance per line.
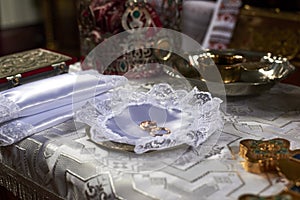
x=180, y=117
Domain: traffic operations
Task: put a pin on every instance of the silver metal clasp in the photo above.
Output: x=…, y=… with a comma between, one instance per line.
x=14, y=80
x=60, y=67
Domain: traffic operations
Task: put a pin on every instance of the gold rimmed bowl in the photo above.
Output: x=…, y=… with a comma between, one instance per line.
x=243, y=72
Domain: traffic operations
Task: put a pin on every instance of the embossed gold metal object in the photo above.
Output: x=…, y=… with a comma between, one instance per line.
x=272, y=156
x=262, y=156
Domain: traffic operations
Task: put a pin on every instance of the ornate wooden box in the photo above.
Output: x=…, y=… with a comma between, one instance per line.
x=26, y=66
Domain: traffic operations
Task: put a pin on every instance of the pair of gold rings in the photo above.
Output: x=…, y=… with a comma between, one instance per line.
x=153, y=129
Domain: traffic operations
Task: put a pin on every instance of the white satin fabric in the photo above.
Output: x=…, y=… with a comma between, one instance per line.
x=17, y=129
x=36, y=106
x=54, y=92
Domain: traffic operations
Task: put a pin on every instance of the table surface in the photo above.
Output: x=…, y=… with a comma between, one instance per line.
x=62, y=162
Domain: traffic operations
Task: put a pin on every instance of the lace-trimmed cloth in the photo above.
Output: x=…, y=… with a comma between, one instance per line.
x=8, y=109
x=190, y=116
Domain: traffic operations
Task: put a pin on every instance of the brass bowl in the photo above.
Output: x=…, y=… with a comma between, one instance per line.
x=243, y=72
x=226, y=62
x=230, y=73
x=249, y=66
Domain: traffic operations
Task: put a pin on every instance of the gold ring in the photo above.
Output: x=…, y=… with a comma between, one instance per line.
x=148, y=125
x=153, y=129
x=155, y=132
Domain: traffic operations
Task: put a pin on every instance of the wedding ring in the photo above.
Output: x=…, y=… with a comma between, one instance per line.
x=153, y=129
x=160, y=131
x=148, y=125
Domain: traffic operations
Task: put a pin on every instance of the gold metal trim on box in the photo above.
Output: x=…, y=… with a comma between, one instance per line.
x=26, y=61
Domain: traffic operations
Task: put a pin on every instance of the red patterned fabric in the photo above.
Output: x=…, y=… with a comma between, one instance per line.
x=99, y=19
x=222, y=24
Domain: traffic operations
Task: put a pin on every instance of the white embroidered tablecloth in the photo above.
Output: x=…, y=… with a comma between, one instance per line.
x=63, y=163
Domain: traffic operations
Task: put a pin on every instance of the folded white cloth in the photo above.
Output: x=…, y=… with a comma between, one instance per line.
x=54, y=92
x=18, y=129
